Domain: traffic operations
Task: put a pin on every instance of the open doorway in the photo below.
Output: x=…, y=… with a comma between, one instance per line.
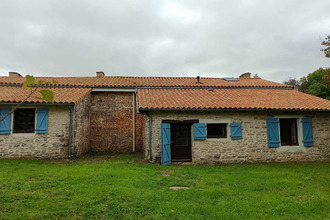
x=181, y=140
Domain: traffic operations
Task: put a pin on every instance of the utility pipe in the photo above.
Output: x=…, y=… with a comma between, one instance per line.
x=70, y=132
x=133, y=123
x=150, y=135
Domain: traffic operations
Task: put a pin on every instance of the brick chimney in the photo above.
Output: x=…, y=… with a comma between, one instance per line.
x=100, y=74
x=245, y=75
x=14, y=74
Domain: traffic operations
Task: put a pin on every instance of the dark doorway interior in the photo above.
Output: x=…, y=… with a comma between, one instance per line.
x=181, y=142
x=288, y=131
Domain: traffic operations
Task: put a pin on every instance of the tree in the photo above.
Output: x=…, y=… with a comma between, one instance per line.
x=317, y=83
x=31, y=84
x=326, y=42
x=293, y=82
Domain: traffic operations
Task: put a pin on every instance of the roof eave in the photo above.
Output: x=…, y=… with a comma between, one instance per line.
x=232, y=109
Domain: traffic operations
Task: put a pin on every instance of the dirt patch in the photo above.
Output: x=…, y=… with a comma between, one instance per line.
x=166, y=172
x=179, y=188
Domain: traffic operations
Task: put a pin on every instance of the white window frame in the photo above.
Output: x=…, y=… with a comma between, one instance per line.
x=291, y=148
x=218, y=121
x=23, y=134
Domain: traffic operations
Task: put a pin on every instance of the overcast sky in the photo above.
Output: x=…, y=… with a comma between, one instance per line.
x=276, y=39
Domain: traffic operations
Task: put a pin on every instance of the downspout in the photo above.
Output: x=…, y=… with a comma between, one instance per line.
x=150, y=135
x=134, y=122
x=150, y=126
x=70, y=132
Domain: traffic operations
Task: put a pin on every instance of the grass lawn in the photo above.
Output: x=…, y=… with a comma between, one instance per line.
x=123, y=186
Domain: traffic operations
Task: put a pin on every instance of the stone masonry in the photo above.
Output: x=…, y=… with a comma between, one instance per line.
x=54, y=144
x=81, y=127
x=253, y=147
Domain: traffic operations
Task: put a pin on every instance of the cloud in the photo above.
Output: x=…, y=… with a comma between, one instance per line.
x=276, y=39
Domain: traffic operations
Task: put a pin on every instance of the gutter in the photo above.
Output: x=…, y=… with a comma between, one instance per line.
x=241, y=110
x=37, y=103
x=70, y=132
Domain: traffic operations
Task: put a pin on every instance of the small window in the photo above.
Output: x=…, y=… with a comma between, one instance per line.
x=24, y=120
x=288, y=131
x=216, y=130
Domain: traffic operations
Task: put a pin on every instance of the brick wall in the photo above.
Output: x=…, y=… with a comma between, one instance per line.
x=81, y=127
x=111, y=123
x=253, y=147
x=54, y=144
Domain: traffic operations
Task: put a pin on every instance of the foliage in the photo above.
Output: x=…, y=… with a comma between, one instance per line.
x=125, y=187
x=293, y=82
x=326, y=43
x=31, y=84
x=315, y=83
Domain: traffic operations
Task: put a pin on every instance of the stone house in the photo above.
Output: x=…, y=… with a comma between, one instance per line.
x=170, y=119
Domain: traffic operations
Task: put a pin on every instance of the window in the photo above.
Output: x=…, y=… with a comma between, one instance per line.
x=216, y=130
x=288, y=131
x=24, y=120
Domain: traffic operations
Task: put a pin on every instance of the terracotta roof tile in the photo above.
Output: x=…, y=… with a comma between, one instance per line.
x=121, y=81
x=256, y=99
x=11, y=94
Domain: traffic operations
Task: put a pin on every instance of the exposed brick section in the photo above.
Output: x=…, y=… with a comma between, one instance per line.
x=81, y=127
x=111, y=122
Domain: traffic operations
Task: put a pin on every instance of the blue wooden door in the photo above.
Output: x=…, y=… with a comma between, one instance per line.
x=166, y=143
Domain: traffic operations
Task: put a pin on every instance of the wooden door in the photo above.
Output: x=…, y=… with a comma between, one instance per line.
x=181, y=142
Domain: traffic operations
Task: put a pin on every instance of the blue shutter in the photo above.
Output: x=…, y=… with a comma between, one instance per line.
x=199, y=131
x=236, y=131
x=5, y=124
x=42, y=121
x=166, y=143
x=273, y=132
x=307, y=132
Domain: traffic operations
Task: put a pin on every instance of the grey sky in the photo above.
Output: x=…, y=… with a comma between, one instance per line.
x=276, y=39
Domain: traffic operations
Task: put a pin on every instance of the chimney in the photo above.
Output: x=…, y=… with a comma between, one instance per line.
x=100, y=74
x=14, y=74
x=245, y=75
x=198, y=80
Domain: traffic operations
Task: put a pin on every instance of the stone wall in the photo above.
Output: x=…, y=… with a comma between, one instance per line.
x=81, y=127
x=111, y=123
x=54, y=144
x=253, y=147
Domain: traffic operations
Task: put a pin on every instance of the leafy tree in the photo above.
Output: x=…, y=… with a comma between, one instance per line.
x=293, y=82
x=31, y=84
x=316, y=83
x=326, y=43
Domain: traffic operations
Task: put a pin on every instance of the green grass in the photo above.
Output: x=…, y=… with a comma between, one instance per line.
x=123, y=186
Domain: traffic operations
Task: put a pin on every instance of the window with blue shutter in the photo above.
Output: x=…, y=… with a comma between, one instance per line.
x=273, y=132
x=42, y=121
x=307, y=132
x=166, y=143
x=5, y=124
x=199, y=131
x=236, y=131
